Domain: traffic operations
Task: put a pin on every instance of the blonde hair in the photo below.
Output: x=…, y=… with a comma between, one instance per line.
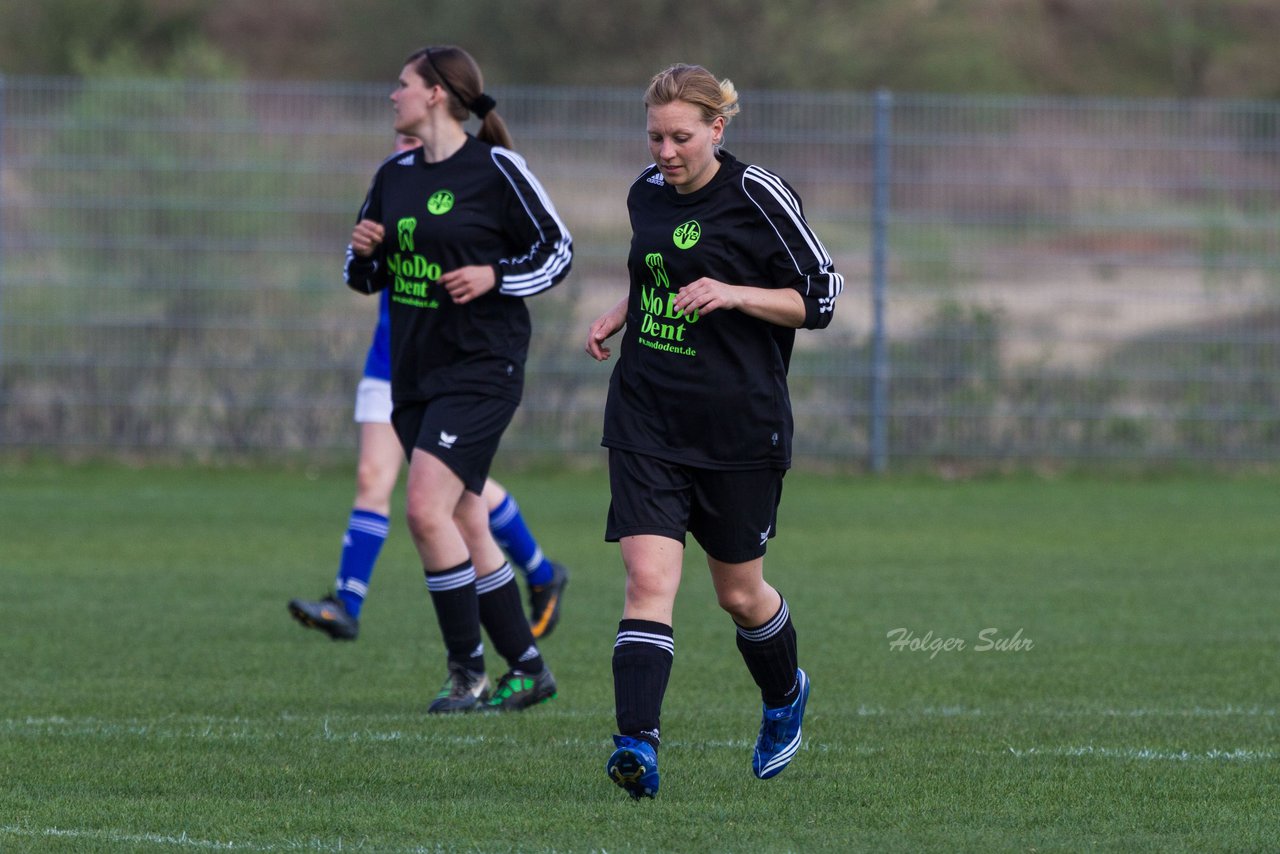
x=694, y=85
x=459, y=74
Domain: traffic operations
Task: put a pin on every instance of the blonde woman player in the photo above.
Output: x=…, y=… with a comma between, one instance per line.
x=724, y=269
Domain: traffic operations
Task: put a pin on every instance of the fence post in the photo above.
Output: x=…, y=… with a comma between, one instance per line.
x=3, y=217
x=879, y=415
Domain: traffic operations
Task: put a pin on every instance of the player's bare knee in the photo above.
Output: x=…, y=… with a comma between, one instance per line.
x=738, y=603
x=427, y=526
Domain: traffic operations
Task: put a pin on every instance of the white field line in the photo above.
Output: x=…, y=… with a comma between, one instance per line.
x=187, y=726
x=182, y=840
x=866, y=711
x=1144, y=753
x=358, y=729
x=241, y=729
x=406, y=728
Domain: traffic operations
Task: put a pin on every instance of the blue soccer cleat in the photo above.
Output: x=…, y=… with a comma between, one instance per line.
x=634, y=766
x=780, y=734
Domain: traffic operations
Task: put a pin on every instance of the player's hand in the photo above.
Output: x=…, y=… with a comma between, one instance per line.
x=703, y=296
x=466, y=283
x=604, y=327
x=779, y=306
x=366, y=236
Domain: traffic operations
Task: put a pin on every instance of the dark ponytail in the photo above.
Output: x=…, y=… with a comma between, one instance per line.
x=459, y=74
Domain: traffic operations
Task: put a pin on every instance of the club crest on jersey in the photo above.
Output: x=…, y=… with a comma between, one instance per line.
x=404, y=233
x=441, y=202
x=687, y=234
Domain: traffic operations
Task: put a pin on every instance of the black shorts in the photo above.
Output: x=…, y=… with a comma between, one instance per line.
x=460, y=430
x=731, y=514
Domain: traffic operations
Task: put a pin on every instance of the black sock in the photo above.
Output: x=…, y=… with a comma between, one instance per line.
x=642, y=657
x=770, y=654
x=453, y=593
x=502, y=616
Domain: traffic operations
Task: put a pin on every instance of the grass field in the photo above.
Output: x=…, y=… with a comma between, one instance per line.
x=158, y=698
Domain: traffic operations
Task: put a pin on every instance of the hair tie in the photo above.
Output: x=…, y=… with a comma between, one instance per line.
x=482, y=105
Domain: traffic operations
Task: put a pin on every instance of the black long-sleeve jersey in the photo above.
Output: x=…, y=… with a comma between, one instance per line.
x=711, y=391
x=480, y=206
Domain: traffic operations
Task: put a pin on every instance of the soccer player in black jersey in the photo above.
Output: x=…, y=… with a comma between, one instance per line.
x=337, y=614
x=460, y=232
x=723, y=268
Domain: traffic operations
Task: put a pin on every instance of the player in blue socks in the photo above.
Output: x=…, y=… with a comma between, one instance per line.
x=338, y=614
x=546, y=578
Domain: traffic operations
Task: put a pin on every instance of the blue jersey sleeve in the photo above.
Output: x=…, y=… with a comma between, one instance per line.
x=377, y=364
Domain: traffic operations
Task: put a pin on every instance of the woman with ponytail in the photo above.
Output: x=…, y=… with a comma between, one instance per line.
x=460, y=232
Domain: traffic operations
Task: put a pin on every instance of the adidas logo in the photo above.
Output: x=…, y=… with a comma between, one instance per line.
x=447, y=440
x=407, y=160
x=656, y=178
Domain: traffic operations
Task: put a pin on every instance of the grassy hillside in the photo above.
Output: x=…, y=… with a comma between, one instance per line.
x=1168, y=48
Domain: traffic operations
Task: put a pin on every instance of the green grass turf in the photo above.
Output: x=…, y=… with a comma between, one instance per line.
x=157, y=697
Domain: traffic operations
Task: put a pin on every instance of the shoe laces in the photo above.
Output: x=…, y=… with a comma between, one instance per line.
x=512, y=682
x=462, y=680
x=775, y=721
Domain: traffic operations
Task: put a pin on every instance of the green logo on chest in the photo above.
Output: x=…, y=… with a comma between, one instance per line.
x=404, y=232
x=687, y=234
x=441, y=202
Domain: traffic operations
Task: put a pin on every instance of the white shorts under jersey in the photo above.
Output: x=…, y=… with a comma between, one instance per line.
x=373, y=401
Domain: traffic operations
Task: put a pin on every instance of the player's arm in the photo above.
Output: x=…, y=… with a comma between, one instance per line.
x=546, y=253
x=604, y=328
x=795, y=254
x=780, y=306
x=365, y=271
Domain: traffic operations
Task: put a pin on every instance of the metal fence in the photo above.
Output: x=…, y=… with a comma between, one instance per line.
x=1027, y=279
